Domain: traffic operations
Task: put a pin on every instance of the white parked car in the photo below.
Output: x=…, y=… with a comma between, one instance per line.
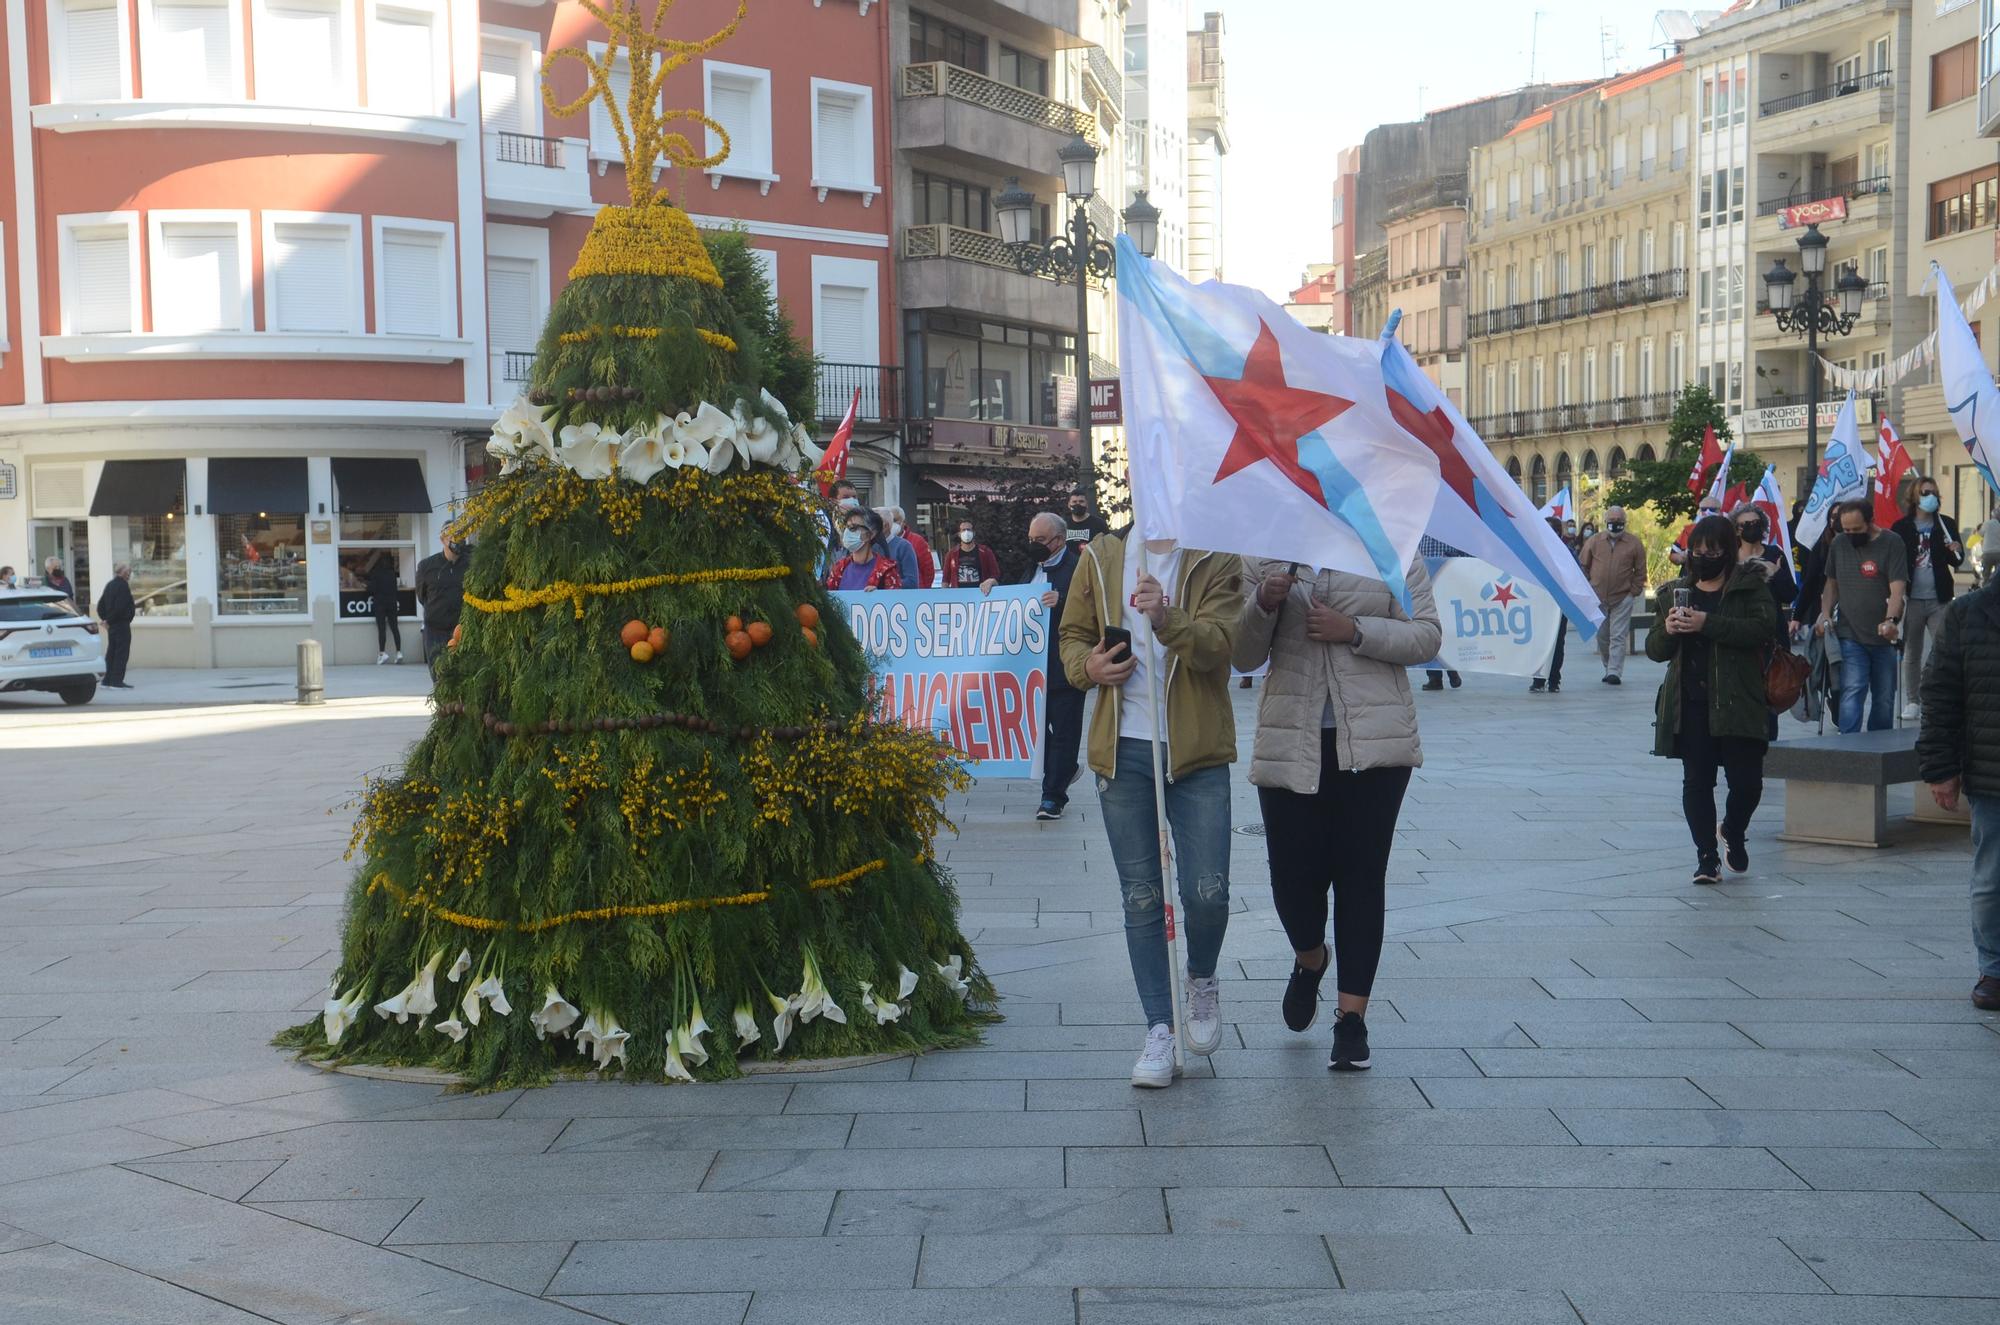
x=46, y=644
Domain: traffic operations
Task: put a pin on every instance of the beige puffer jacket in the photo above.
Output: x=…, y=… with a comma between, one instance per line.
x=1375, y=718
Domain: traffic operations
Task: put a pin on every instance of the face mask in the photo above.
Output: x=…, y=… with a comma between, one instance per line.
x=1751, y=531
x=852, y=539
x=895, y=529
x=1860, y=539
x=1038, y=551
x=965, y=537
x=850, y=504
x=1615, y=527
x=1705, y=512
x=1079, y=512
x=1928, y=503
x=1707, y=565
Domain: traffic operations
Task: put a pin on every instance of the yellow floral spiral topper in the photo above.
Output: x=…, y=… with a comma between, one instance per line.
x=641, y=124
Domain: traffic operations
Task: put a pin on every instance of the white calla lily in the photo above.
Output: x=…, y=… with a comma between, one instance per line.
x=686, y=455
x=774, y=404
x=757, y=437
x=952, y=969
x=469, y=1006
x=602, y=1038
x=906, y=982
x=495, y=996
x=460, y=967
x=339, y=1013
x=706, y=425
x=589, y=450
x=454, y=1028
x=520, y=434
x=676, y=1069
x=802, y=438
x=697, y=1026
x=747, y=1031
x=783, y=1012
x=885, y=1010
x=721, y=455
x=645, y=454
x=416, y=999
x=555, y=1016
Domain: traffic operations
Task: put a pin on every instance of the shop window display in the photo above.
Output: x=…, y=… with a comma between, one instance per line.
x=155, y=546
x=260, y=564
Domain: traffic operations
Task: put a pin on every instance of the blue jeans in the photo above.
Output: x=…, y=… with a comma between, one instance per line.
x=1985, y=881
x=1198, y=814
x=1867, y=671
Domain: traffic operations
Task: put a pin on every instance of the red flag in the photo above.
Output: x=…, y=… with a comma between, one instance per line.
x=1735, y=497
x=1711, y=456
x=1891, y=464
x=834, y=462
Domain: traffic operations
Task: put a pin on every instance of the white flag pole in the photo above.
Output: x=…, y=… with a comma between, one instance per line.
x=1155, y=686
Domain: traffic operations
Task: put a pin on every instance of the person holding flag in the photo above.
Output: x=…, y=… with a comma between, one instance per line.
x=1931, y=541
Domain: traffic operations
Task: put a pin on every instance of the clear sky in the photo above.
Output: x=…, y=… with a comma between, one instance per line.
x=1309, y=77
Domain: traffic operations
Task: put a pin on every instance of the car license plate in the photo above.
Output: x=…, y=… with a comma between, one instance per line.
x=50, y=651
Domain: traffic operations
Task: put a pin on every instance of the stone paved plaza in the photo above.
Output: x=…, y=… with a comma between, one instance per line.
x=1600, y=1094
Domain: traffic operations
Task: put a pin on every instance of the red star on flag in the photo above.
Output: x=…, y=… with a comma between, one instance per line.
x=1271, y=416
x=1436, y=430
x=1503, y=594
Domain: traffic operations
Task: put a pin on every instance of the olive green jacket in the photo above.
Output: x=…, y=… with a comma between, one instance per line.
x=1739, y=629
x=1198, y=637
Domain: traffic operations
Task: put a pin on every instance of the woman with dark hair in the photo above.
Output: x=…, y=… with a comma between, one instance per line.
x=863, y=563
x=1711, y=713
x=384, y=585
x=1762, y=557
x=1931, y=539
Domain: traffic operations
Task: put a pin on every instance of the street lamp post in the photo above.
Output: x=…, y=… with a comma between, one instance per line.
x=1078, y=254
x=1819, y=314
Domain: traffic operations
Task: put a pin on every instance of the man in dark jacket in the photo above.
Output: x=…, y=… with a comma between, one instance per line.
x=1930, y=537
x=1055, y=559
x=441, y=595
x=1958, y=753
x=116, y=610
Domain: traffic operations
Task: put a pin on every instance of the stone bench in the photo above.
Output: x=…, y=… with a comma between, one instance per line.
x=1837, y=787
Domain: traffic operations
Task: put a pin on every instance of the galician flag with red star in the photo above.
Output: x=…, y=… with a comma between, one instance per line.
x=1248, y=433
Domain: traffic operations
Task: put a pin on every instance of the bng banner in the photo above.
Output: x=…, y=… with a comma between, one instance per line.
x=1493, y=621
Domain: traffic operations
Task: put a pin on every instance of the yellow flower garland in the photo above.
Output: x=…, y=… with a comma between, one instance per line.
x=487, y=924
x=521, y=600
x=715, y=338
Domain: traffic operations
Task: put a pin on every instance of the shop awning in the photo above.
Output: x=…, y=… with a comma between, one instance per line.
x=380, y=487
x=140, y=487
x=257, y=486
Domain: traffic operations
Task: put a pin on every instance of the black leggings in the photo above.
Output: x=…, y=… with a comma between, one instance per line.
x=1337, y=839
x=1741, y=760
x=385, y=627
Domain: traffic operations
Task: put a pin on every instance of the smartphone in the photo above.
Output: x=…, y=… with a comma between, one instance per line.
x=1118, y=643
x=1683, y=599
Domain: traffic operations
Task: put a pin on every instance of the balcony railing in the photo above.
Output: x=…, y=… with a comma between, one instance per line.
x=1624, y=411
x=955, y=241
x=880, y=385
x=525, y=149
x=1629, y=293
x=1104, y=70
x=949, y=80
x=1845, y=87
x=515, y=365
x=1858, y=188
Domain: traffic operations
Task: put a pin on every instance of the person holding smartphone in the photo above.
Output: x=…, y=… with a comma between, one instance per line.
x=1711, y=713
x=1336, y=743
x=1130, y=630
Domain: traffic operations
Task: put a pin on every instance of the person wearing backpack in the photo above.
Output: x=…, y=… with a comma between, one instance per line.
x=1711, y=713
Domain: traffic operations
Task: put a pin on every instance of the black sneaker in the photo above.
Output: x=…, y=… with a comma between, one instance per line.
x=1537, y=686
x=1613, y=680
x=1301, y=1005
x=1434, y=684
x=1708, y=870
x=1049, y=811
x=1350, y=1044
x=1736, y=854
x=1456, y=680
x=1555, y=687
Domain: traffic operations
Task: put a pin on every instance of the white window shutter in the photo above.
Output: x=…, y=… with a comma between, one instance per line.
x=402, y=63
x=312, y=279
x=413, y=273
x=90, y=51
x=187, y=56
x=500, y=90
x=102, y=273
x=603, y=137
x=513, y=312
x=197, y=280
x=299, y=53
x=731, y=106
x=843, y=313
x=838, y=122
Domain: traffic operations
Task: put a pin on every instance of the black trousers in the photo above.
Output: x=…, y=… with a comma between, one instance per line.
x=117, y=650
x=386, y=628
x=1556, y=662
x=435, y=644
x=1702, y=756
x=1061, y=736
x=1335, y=840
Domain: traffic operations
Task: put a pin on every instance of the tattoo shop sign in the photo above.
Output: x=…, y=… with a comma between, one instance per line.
x=971, y=667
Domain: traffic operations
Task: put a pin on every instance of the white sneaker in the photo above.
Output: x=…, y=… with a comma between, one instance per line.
x=1155, y=1068
x=399, y=656
x=381, y=658
x=1204, y=1015
x=1911, y=713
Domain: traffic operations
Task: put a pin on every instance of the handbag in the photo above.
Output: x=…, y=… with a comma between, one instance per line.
x=1785, y=676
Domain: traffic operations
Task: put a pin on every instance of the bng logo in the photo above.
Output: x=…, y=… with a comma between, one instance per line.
x=1502, y=612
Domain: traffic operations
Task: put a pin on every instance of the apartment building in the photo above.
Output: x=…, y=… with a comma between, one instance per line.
x=271, y=268
x=988, y=92
x=1424, y=277
x=1953, y=176
x=1803, y=111
x=1156, y=117
x=1578, y=280
x=1207, y=150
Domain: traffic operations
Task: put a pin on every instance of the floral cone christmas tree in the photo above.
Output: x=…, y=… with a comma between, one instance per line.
x=652, y=826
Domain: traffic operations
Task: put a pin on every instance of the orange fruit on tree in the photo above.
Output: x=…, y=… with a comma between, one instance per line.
x=808, y=616
x=739, y=645
x=812, y=636
x=733, y=625
x=634, y=632
x=456, y=631
x=759, y=633
x=642, y=652
x=657, y=637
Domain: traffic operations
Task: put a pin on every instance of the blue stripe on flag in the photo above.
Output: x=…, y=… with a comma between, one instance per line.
x=1169, y=312
x=1346, y=498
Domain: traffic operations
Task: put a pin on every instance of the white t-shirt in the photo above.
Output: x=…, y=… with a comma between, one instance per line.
x=1135, y=706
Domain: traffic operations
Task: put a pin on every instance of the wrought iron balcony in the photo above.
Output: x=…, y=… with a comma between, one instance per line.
x=880, y=385
x=1856, y=188
x=940, y=79
x=1877, y=78
x=516, y=365
x=1622, y=412
x=1629, y=293
x=955, y=241
x=525, y=149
